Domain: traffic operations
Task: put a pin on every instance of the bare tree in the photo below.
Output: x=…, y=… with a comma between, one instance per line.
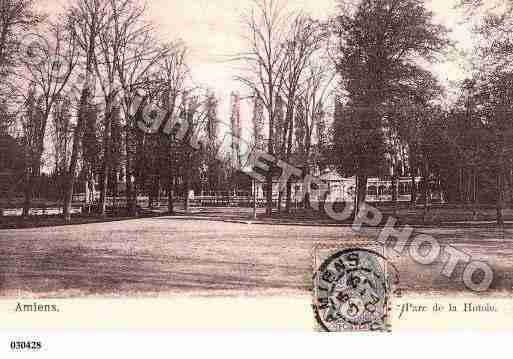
x=47, y=79
x=264, y=65
x=303, y=43
x=106, y=58
x=196, y=115
x=174, y=72
x=316, y=88
x=31, y=124
x=138, y=60
x=85, y=21
x=235, y=130
x=16, y=18
x=61, y=135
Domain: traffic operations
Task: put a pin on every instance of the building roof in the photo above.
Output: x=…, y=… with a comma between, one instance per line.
x=333, y=176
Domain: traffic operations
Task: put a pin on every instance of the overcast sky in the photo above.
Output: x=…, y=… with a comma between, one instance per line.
x=212, y=32
x=211, y=29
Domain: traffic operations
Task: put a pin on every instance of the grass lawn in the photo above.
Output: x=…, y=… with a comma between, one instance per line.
x=176, y=255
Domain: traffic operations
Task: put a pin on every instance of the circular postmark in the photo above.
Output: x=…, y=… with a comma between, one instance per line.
x=351, y=291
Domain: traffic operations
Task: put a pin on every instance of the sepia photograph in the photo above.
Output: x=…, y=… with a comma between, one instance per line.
x=327, y=165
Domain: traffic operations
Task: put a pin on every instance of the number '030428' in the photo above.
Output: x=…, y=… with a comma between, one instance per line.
x=25, y=345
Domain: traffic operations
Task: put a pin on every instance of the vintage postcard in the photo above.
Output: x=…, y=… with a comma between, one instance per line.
x=328, y=165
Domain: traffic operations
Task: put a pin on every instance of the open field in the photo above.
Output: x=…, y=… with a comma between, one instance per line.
x=168, y=255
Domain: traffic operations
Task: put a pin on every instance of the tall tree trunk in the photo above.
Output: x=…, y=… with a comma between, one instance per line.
x=361, y=191
x=152, y=194
x=27, y=187
x=106, y=162
x=269, y=194
x=3, y=41
x=187, y=189
x=288, y=203
x=170, y=195
x=500, y=196
x=155, y=192
x=283, y=153
x=425, y=190
x=290, y=116
x=460, y=185
x=27, y=193
x=511, y=186
x=500, y=182
x=468, y=188
x=34, y=166
x=77, y=136
x=113, y=184
x=394, y=194
x=307, y=197
x=130, y=202
x=413, y=189
x=474, y=194
x=308, y=200
x=270, y=150
x=170, y=177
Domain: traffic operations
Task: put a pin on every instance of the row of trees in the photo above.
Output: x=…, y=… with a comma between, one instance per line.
x=372, y=48
x=89, y=72
x=391, y=116
x=88, y=75
x=287, y=70
x=389, y=103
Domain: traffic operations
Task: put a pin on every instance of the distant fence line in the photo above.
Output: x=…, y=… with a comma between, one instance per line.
x=195, y=201
x=50, y=211
x=224, y=200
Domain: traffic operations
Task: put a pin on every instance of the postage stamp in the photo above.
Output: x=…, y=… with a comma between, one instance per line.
x=352, y=288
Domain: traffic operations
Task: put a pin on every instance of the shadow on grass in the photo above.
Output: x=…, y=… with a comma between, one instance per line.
x=56, y=221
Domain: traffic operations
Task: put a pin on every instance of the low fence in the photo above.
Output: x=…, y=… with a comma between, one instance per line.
x=196, y=201
x=79, y=205
x=235, y=201
x=17, y=212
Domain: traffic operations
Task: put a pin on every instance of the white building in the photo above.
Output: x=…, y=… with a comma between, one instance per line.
x=343, y=189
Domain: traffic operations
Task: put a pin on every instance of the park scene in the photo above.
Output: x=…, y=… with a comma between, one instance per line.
x=156, y=148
